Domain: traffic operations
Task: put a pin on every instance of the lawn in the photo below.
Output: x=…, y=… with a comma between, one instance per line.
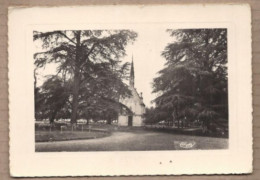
x=48, y=136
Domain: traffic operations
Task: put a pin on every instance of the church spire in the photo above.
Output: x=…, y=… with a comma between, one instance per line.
x=132, y=74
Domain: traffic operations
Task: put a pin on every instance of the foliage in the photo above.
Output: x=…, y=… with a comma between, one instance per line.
x=88, y=62
x=52, y=99
x=193, y=83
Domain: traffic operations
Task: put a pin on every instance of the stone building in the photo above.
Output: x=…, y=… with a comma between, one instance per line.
x=136, y=108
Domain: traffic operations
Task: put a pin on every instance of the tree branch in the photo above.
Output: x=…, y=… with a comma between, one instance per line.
x=89, y=52
x=66, y=37
x=91, y=49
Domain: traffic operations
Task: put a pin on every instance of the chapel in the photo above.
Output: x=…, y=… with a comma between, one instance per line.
x=134, y=116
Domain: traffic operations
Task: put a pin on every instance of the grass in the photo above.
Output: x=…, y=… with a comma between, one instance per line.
x=47, y=136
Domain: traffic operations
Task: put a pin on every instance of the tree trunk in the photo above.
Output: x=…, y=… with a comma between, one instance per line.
x=172, y=119
x=53, y=115
x=75, y=101
x=177, y=115
x=109, y=121
x=76, y=84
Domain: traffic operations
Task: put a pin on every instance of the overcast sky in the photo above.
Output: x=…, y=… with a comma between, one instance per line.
x=146, y=51
x=147, y=57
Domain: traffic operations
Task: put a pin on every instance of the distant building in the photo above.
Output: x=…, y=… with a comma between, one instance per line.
x=136, y=108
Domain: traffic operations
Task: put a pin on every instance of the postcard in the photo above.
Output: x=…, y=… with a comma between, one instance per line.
x=130, y=90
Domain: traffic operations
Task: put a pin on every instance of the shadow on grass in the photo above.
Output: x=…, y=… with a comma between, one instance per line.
x=187, y=131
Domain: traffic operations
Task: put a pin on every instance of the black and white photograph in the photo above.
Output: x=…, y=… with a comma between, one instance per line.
x=132, y=90
x=95, y=92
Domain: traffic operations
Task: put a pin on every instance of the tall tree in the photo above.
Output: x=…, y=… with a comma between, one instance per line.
x=193, y=83
x=52, y=98
x=88, y=58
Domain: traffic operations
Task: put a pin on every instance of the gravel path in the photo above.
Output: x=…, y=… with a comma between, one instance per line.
x=123, y=141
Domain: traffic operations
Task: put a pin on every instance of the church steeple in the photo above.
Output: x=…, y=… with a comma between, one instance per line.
x=132, y=74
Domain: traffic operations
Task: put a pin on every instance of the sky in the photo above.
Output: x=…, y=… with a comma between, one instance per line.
x=146, y=52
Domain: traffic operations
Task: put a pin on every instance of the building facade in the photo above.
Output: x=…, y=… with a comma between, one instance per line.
x=136, y=108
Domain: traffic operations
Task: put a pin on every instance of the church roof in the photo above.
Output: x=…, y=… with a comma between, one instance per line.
x=135, y=95
x=140, y=99
x=132, y=72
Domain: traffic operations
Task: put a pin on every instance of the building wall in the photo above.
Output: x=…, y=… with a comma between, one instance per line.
x=135, y=106
x=122, y=120
x=134, y=103
x=137, y=121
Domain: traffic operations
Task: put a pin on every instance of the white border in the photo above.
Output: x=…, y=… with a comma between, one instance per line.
x=25, y=162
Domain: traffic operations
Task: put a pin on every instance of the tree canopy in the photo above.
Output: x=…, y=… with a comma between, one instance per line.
x=193, y=83
x=89, y=69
